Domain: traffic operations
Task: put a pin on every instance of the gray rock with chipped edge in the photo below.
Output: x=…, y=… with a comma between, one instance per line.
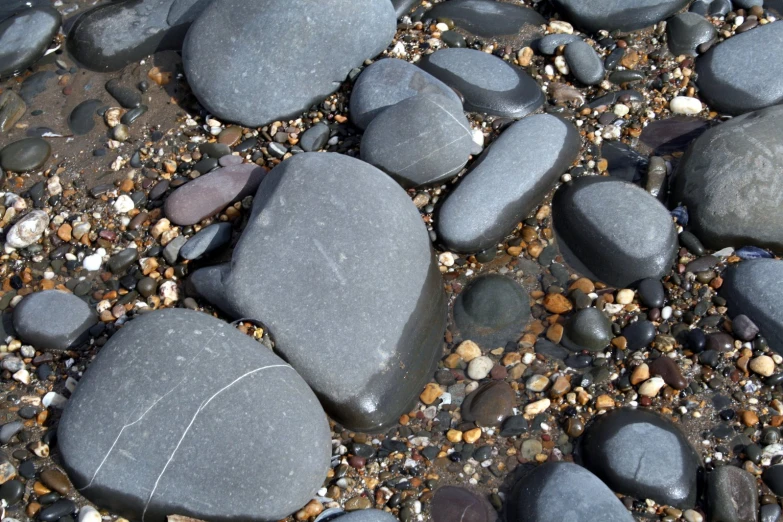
x=388, y=82
x=177, y=392
x=208, y=283
x=623, y=15
x=329, y=311
x=206, y=240
x=25, y=37
x=507, y=182
x=421, y=140
x=333, y=38
x=53, y=320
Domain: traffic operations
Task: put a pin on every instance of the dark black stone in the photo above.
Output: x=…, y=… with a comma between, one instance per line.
x=651, y=293
x=639, y=334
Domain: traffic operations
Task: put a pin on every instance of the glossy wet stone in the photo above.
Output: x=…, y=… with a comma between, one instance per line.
x=639, y=453
x=507, y=23
x=388, y=82
x=588, y=329
x=729, y=206
x=584, y=62
x=491, y=311
x=452, y=503
x=666, y=368
x=128, y=97
x=12, y=108
x=732, y=495
x=651, y=293
x=564, y=491
x=623, y=15
x=593, y=242
x=288, y=78
x=639, y=334
x=488, y=84
x=25, y=37
x=687, y=31
x=53, y=320
x=328, y=311
x=174, y=428
x=82, y=118
x=25, y=155
x=507, y=182
x=490, y=404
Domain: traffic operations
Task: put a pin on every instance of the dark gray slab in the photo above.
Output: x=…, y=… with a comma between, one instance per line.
x=623, y=15
x=53, y=320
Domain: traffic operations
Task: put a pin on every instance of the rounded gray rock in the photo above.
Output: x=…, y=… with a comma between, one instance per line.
x=159, y=416
x=588, y=329
x=623, y=15
x=25, y=37
x=506, y=23
x=548, y=44
x=488, y=84
x=732, y=494
x=725, y=177
x=53, y=320
x=327, y=305
x=743, y=73
x=584, y=62
x=206, y=240
x=540, y=497
x=388, y=82
x=367, y=515
x=687, y=31
x=25, y=155
x=613, y=231
x=419, y=141
x=507, y=182
x=333, y=37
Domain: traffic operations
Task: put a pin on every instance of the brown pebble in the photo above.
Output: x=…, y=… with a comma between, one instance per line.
x=749, y=418
x=64, y=232
x=56, y=480
x=668, y=369
x=557, y=303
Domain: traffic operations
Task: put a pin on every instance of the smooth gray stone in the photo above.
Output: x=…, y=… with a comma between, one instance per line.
x=421, y=140
x=367, y=515
x=207, y=240
x=588, y=329
x=208, y=283
x=25, y=37
x=564, y=491
x=492, y=310
x=687, y=31
x=743, y=73
x=755, y=288
x=171, y=250
x=584, y=62
x=9, y=430
x=25, y=155
x=510, y=179
x=161, y=413
x=388, y=82
x=623, y=15
x=641, y=454
x=209, y=194
x=333, y=37
x=487, y=83
x=747, y=4
x=327, y=306
x=315, y=138
x=732, y=495
x=402, y=7
x=11, y=7
x=613, y=231
x=110, y=36
x=548, y=44
x=491, y=19
x=770, y=513
x=725, y=178
x=53, y=320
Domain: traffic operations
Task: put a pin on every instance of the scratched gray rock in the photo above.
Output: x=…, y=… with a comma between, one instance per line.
x=730, y=180
x=181, y=413
x=365, y=339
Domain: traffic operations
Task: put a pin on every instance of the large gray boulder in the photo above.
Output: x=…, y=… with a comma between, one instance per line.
x=242, y=65
x=613, y=231
x=182, y=414
x=53, y=320
x=755, y=288
x=388, y=82
x=622, y=15
x=731, y=180
x=745, y=72
x=510, y=178
x=419, y=141
x=25, y=37
x=337, y=263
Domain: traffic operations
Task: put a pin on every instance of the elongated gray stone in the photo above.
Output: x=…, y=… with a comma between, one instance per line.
x=728, y=181
x=158, y=418
x=53, y=320
x=421, y=140
x=623, y=15
x=388, y=82
x=327, y=306
x=504, y=22
x=584, y=62
x=206, y=240
x=333, y=37
x=510, y=179
x=743, y=73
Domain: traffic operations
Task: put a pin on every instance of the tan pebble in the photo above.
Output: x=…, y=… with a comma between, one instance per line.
x=557, y=303
x=512, y=358
x=624, y=296
x=472, y=436
x=560, y=387
x=65, y=232
x=160, y=227
x=749, y=418
x=763, y=365
x=583, y=284
x=651, y=387
x=112, y=116
x=525, y=56
x=39, y=489
x=620, y=342
x=555, y=333
x=312, y=509
x=431, y=393
x=452, y=361
x=468, y=350
x=604, y=402
x=534, y=408
x=640, y=374
x=454, y=436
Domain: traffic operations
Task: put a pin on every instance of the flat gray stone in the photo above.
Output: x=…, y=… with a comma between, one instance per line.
x=548, y=44
x=613, y=231
x=209, y=194
x=623, y=15
x=728, y=180
x=53, y=320
x=687, y=31
x=506, y=23
x=333, y=37
x=584, y=62
x=207, y=240
x=510, y=179
x=641, y=454
x=732, y=495
x=488, y=84
x=388, y=82
x=367, y=515
x=755, y=288
x=327, y=305
x=25, y=155
x=315, y=138
x=25, y=37
x=421, y=140
x=180, y=406
x=564, y=491
x=743, y=73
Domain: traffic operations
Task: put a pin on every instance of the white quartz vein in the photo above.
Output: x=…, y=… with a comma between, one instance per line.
x=187, y=429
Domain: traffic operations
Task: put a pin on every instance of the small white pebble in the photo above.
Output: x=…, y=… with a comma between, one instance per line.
x=446, y=259
x=621, y=110
x=123, y=204
x=666, y=312
x=625, y=296
x=22, y=376
x=685, y=105
x=54, y=400
x=92, y=263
